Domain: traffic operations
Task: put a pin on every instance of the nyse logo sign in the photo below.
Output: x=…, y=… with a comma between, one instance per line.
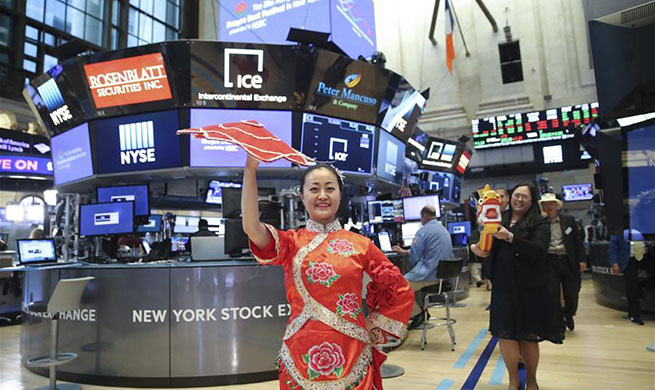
x=54, y=102
x=247, y=81
x=137, y=142
x=391, y=157
x=337, y=144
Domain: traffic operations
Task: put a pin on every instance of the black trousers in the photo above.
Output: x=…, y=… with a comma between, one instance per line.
x=632, y=288
x=563, y=274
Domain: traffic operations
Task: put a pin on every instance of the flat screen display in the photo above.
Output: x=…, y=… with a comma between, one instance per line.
x=408, y=230
x=640, y=165
x=441, y=181
x=237, y=75
x=345, y=88
x=574, y=192
x=536, y=126
x=385, y=211
x=385, y=241
x=463, y=227
x=269, y=22
x=348, y=145
x=71, y=155
x=353, y=27
x=212, y=153
x=153, y=225
x=441, y=154
x=137, y=142
x=553, y=154
x=401, y=110
x=36, y=251
x=416, y=145
x=137, y=194
x=391, y=157
x=413, y=206
x=186, y=224
x=179, y=244
x=102, y=219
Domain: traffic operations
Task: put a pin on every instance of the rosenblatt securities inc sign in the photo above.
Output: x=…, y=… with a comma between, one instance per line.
x=129, y=80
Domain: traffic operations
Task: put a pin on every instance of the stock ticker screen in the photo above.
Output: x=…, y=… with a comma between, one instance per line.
x=535, y=126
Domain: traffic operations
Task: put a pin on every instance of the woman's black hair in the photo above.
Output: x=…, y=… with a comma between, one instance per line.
x=321, y=166
x=530, y=217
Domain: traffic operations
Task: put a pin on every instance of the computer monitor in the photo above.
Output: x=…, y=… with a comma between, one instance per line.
x=390, y=157
x=207, y=248
x=462, y=227
x=145, y=245
x=385, y=241
x=459, y=239
x=36, y=251
x=185, y=224
x=576, y=192
x=409, y=230
x=232, y=200
x=214, y=191
x=102, y=219
x=153, y=225
x=235, y=238
x=385, y=211
x=412, y=206
x=138, y=194
x=179, y=244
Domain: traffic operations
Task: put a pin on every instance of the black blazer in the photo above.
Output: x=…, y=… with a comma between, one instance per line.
x=530, y=252
x=573, y=242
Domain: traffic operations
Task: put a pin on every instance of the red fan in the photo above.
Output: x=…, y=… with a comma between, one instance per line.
x=258, y=142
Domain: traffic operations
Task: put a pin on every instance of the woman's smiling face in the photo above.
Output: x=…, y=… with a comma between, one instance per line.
x=321, y=195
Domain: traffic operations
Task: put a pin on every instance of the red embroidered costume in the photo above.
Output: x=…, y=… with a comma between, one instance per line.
x=328, y=344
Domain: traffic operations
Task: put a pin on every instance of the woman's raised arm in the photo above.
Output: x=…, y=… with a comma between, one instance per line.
x=258, y=234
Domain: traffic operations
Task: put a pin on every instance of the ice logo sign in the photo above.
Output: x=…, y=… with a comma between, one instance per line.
x=243, y=80
x=390, y=161
x=54, y=102
x=335, y=154
x=137, y=142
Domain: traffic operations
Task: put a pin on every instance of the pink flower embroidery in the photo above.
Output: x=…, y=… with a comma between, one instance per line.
x=324, y=359
x=343, y=247
x=322, y=273
x=348, y=304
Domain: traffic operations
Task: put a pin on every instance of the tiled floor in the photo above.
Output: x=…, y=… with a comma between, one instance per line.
x=603, y=353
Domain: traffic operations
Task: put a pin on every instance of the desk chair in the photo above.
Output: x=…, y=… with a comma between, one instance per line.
x=447, y=269
x=66, y=297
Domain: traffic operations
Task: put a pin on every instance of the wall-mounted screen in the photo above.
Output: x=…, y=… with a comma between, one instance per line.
x=412, y=206
x=536, y=126
x=71, y=155
x=345, y=88
x=353, y=27
x=138, y=194
x=348, y=145
x=213, y=153
x=553, y=154
x=269, y=22
x=390, y=157
x=153, y=225
x=416, y=145
x=575, y=192
x=100, y=219
x=137, y=142
x=401, y=108
x=385, y=211
x=441, y=154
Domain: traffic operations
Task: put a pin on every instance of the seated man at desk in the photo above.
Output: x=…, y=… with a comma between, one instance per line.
x=431, y=244
x=203, y=229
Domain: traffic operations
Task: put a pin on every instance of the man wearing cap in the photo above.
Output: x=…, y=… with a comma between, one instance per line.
x=565, y=255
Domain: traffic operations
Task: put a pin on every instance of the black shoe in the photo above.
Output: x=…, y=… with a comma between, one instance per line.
x=417, y=320
x=569, y=323
x=479, y=283
x=636, y=320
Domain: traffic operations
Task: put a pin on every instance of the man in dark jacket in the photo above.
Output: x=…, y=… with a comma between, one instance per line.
x=565, y=255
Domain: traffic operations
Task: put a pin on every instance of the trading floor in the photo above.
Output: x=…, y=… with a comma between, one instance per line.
x=603, y=352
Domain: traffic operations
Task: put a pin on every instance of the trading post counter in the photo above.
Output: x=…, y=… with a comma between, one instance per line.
x=164, y=325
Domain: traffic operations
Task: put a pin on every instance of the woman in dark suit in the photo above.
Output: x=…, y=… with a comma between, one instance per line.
x=520, y=300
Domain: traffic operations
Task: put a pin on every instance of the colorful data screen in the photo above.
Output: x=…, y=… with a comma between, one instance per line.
x=575, y=192
x=535, y=126
x=385, y=211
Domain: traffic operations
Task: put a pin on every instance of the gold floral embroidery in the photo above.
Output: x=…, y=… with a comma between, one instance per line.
x=377, y=320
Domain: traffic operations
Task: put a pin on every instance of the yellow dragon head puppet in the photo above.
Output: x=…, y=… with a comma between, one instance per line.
x=489, y=216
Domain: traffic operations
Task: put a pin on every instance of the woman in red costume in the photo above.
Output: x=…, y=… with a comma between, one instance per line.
x=328, y=343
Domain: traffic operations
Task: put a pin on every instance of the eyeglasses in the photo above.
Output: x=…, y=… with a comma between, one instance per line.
x=520, y=196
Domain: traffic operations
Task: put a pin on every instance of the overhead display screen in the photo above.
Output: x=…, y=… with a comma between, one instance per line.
x=101, y=219
x=228, y=75
x=347, y=145
x=353, y=27
x=441, y=154
x=345, y=88
x=19, y=143
x=137, y=194
x=137, y=142
x=391, y=156
x=536, y=126
x=213, y=153
x=416, y=145
x=400, y=112
x=130, y=80
x=269, y=21
x=71, y=155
